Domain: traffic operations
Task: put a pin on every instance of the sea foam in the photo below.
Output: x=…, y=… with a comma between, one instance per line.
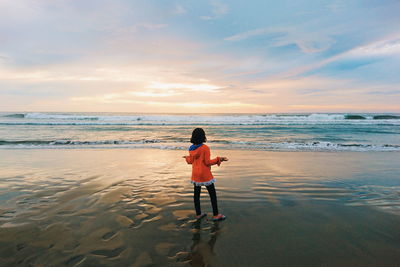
x=216, y=119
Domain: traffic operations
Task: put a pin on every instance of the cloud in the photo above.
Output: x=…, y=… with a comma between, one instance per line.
x=154, y=93
x=219, y=105
x=379, y=48
x=4, y=59
x=66, y=74
x=302, y=86
x=313, y=46
x=151, y=26
x=251, y=33
x=202, y=87
x=207, y=17
x=311, y=42
x=179, y=9
x=125, y=99
x=218, y=9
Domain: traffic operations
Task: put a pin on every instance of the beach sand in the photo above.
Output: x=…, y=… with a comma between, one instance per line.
x=134, y=207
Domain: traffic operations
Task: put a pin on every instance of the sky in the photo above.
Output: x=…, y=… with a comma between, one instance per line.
x=191, y=56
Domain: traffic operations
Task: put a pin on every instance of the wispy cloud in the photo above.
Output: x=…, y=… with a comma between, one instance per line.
x=202, y=87
x=384, y=47
x=378, y=48
x=218, y=9
x=125, y=99
x=154, y=94
x=179, y=9
x=256, y=32
x=282, y=36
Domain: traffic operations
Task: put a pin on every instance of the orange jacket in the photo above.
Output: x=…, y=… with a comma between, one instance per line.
x=201, y=164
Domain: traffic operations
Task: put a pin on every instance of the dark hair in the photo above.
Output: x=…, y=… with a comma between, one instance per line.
x=198, y=136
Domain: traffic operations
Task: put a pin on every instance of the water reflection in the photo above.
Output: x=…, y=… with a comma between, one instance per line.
x=202, y=249
x=118, y=207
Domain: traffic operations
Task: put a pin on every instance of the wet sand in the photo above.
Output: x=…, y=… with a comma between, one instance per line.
x=134, y=208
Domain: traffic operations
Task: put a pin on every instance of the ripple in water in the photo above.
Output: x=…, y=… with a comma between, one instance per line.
x=124, y=207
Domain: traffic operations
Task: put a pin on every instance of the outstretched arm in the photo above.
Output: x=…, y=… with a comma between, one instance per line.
x=209, y=161
x=189, y=159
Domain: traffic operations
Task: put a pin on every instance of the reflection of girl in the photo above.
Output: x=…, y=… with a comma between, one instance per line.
x=202, y=253
x=199, y=157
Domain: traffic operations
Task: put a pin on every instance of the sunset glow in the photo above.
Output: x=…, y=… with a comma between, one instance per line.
x=200, y=56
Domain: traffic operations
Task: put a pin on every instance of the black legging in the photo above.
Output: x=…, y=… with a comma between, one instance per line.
x=213, y=197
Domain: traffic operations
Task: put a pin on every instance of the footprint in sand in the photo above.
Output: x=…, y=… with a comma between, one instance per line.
x=75, y=260
x=109, y=236
x=108, y=253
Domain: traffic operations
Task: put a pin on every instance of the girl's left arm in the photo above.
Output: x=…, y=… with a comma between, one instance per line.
x=209, y=161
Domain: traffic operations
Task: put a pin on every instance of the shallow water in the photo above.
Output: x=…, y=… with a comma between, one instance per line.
x=134, y=208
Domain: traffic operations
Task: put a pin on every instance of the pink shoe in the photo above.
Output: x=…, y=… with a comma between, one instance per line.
x=198, y=217
x=219, y=217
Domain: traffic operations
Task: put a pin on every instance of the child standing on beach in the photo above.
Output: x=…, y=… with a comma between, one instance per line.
x=201, y=172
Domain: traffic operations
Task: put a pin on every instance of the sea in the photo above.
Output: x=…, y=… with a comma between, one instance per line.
x=270, y=132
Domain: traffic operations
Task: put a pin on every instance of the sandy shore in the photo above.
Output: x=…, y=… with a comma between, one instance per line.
x=134, y=208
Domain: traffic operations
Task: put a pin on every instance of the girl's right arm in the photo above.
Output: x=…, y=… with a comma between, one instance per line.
x=189, y=159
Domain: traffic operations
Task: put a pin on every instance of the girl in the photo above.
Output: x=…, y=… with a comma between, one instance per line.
x=201, y=172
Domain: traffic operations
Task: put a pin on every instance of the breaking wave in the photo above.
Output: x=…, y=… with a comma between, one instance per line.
x=219, y=144
x=160, y=119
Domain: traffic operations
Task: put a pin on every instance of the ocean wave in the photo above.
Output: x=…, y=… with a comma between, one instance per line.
x=77, y=142
x=287, y=123
x=354, y=117
x=95, y=146
x=59, y=116
x=386, y=117
x=204, y=119
x=16, y=115
x=329, y=146
x=218, y=144
x=309, y=146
